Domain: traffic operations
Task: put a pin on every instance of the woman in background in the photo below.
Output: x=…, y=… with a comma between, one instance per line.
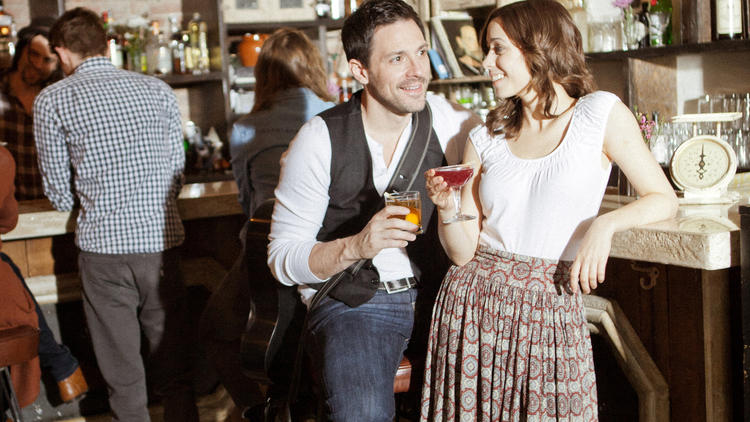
x=290, y=88
x=509, y=340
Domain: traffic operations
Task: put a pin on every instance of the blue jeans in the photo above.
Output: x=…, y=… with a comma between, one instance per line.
x=355, y=353
x=53, y=357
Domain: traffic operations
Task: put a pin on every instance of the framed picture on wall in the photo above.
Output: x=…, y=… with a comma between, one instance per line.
x=244, y=11
x=459, y=40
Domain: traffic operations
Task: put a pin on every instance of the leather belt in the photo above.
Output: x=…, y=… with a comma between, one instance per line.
x=397, y=286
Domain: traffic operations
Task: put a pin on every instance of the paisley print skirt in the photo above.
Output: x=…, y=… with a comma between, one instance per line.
x=508, y=342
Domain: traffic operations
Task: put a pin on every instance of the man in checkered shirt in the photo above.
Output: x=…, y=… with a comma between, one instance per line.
x=113, y=140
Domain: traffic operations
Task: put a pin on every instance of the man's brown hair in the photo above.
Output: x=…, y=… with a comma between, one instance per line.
x=80, y=30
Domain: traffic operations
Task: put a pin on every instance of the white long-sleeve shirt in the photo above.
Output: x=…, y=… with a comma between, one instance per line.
x=302, y=193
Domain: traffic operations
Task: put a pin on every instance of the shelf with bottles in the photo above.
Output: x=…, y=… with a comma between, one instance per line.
x=175, y=54
x=651, y=52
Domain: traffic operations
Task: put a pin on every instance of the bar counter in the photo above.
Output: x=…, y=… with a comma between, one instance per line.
x=42, y=242
x=703, y=236
x=197, y=200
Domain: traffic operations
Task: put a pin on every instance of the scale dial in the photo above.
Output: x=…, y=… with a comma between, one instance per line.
x=703, y=164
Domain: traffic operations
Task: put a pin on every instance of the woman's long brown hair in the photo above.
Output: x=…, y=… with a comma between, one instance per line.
x=551, y=45
x=288, y=59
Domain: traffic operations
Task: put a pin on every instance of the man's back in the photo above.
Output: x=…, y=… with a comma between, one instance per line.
x=121, y=131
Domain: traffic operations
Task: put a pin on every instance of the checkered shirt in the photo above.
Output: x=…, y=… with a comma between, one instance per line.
x=121, y=133
x=16, y=128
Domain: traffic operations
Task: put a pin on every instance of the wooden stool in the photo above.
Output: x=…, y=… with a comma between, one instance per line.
x=605, y=317
x=403, y=377
x=17, y=345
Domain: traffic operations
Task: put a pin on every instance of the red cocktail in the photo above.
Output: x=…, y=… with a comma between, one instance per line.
x=456, y=176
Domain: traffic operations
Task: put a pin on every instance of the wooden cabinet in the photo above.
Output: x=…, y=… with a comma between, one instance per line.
x=680, y=314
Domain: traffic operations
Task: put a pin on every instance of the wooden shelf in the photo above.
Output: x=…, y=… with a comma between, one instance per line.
x=243, y=28
x=187, y=80
x=671, y=50
x=462, y=80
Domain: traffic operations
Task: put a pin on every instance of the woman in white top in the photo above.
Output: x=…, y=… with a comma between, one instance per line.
x=509, y=339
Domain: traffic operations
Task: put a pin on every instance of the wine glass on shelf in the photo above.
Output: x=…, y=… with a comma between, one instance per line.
x=456, y=176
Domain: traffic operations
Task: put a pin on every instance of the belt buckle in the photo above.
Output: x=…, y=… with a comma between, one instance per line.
x=397, y=288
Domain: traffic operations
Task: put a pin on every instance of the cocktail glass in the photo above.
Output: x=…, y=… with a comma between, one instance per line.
x=456, y=176
x=408, y=199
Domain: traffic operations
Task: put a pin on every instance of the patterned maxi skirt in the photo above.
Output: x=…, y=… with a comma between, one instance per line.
x=508, y=342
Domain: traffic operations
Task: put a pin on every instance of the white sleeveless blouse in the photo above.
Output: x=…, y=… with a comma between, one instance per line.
x=542, y=207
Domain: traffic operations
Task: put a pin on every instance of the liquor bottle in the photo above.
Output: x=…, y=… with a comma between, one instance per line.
x=189, y=64
x=177, y=47
x=114, y=42
x=158, y=55
x=198, y=43
x=7, y=37
x=727, y=19
x=643, y=18
x=581, y=19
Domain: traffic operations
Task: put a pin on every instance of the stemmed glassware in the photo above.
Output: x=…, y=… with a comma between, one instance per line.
x=657, y=24
x=456, y=176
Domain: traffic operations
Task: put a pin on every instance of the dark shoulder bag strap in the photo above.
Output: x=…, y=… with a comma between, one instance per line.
x=402, y=180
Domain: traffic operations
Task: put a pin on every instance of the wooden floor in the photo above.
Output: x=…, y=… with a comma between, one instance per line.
x=216, y=407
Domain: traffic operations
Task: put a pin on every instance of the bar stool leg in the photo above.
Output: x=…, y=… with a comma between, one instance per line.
x=10, y=394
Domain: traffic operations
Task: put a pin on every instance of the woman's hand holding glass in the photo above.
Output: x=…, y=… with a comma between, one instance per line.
x=454, y=177
x=439, y=192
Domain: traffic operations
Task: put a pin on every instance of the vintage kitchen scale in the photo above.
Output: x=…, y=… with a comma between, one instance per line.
x=703, y=165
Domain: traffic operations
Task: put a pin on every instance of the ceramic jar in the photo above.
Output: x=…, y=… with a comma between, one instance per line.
x=249, y=48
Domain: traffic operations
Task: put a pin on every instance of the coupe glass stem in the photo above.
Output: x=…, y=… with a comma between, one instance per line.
x=456, y=191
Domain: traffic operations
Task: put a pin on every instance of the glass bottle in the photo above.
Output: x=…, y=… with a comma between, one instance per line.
x=727, y=22
x=643, y=18
x=158, y=55
x=189, y=63
x=114, y=42
x=164, y=57
x=198, y=32
x=177, y=47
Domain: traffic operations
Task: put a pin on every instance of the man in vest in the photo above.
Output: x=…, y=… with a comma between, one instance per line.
x=329, y=218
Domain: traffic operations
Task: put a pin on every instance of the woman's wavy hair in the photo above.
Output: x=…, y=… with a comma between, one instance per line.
x=288, y=59
x=551, y=46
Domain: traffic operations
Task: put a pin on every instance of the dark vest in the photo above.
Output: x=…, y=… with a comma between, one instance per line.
x=354, y=200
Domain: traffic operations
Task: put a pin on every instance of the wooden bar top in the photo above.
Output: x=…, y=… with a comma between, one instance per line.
x=38, y=218
x=701, y=236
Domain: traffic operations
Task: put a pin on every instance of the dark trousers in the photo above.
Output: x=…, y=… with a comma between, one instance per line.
x=53, y=356
x=126, y=296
